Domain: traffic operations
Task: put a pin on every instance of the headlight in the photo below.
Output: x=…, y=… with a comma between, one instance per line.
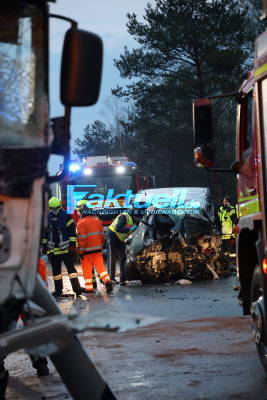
x=87, y=171
x=74, y=167
x=120, y=169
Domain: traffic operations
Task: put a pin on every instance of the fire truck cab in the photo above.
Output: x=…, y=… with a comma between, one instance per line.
x=102, y=175
x=250, y=166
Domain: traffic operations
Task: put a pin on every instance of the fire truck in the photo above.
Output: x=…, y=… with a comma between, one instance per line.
x=102, y=176
x=250, y=167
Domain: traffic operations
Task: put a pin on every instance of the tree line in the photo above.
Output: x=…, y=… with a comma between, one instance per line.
x=185, y=50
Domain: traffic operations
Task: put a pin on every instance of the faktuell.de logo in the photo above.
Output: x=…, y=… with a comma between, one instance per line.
x=127, y=200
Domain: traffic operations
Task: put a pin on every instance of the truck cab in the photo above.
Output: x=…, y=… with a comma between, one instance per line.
x=103, y=176
x=250, y=167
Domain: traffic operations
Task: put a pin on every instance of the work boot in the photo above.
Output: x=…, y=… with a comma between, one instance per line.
x=75, y=284
x=122, y=282
x=41, y=367
x=109, y=286
x=57, y=294
x=79, y=291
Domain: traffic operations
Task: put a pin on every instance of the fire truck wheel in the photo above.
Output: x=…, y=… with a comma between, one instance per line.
x=258, y=316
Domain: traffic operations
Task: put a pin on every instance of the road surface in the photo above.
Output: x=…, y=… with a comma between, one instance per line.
x=201, y=349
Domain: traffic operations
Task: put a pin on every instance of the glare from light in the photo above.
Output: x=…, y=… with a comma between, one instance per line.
x=74, y=167
x=87, y=171
x=120, y=169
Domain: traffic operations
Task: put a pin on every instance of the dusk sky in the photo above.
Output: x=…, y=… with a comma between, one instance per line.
x=108, y=19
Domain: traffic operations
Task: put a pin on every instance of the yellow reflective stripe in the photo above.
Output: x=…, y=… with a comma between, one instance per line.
x=90, y=234
x=57, y=249
x=88, y=286
x=260, y=70
x=91, y=248
x=103, y=274
x=241, y=199
x=57, y=277
x=249, y=207
x=72, y=239
x=226, y=236
x=69, y=222
x=73, y=275
x=44, y=240
x=58, y=252
x=88, y=280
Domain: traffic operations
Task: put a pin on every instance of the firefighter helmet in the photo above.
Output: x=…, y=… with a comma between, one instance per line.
x=80, y=203
x=54, y=203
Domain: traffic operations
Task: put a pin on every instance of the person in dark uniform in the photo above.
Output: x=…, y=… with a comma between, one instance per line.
x=59, y=244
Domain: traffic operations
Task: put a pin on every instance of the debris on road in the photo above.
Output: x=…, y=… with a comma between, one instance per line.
x=183, y=282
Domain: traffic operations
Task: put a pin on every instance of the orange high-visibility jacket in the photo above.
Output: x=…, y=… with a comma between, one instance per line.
x=90, y=235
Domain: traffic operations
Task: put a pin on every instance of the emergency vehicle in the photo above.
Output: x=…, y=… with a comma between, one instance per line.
x=250, y=165
x=102, y=175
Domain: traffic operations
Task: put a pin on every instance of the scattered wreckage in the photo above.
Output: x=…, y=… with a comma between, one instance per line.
x=175, y=243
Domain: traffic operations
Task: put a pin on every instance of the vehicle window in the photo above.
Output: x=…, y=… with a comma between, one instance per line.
x=142, y=182
x=23, y=98
x=248, y=128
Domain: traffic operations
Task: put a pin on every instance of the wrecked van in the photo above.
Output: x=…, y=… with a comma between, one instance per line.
x=177, y=241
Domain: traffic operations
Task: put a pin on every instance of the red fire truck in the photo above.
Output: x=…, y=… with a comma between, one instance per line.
x=250, y=165
x=102, y=175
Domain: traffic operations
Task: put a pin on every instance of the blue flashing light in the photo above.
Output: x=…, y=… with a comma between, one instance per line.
x=74, y=167
x=130, y=164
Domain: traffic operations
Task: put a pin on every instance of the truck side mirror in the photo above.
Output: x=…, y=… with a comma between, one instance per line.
x=60, y=144
x=202, y=126
x=202, y=121
x=81, y=68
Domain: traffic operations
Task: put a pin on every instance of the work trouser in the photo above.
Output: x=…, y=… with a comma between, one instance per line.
x=56, y=261
x=228, y=243
x=88, y=262
x=115, y=252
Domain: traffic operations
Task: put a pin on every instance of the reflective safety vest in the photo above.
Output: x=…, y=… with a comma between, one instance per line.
x=226, y=221
x=129, y=223
x=90, y=235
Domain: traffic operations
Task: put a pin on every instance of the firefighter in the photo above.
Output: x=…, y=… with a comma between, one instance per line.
x=90, y=235
x=76, y=217
x=227, y=219
x=117, y=232
x=60, y=245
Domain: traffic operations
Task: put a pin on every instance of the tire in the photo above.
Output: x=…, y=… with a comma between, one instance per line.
x=258, y=316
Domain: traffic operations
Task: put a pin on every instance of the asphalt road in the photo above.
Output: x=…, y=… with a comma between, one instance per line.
x=201, y=349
